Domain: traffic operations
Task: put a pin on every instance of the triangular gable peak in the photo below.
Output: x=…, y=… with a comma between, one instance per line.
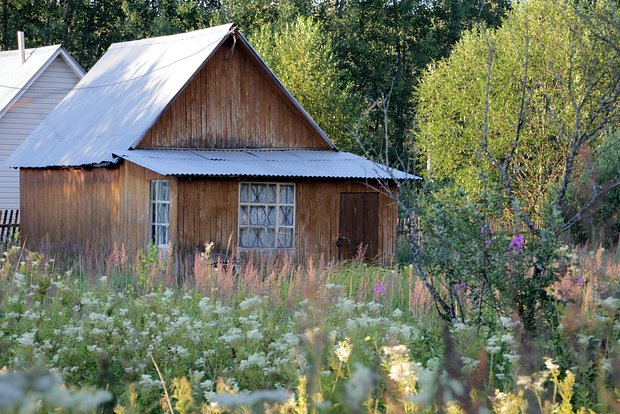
x=235, y=101
x=17, y=77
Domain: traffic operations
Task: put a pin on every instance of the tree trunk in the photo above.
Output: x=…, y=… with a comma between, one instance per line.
x=5, y=24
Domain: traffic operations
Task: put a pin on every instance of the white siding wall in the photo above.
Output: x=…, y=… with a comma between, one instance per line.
x=25, y=115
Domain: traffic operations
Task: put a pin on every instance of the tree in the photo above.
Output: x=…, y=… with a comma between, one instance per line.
x=519, y=104
x=382, y=46
x=517, y=116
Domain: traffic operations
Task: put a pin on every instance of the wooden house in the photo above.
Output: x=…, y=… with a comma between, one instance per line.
x=32, y=83
x=188, y=139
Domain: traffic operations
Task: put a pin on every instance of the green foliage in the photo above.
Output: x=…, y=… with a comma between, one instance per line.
x=485, y=265
x=598, y=167
x=545, y=54
x=301, y=56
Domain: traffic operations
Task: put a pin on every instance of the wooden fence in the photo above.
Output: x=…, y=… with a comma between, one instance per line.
x=9, y=224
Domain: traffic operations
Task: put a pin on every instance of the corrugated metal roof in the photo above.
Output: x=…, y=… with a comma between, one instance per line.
x=15, y=77
x=262, y=163
x=121, y=97
x=118, y=100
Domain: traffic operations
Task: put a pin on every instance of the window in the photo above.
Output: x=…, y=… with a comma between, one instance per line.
x=267, y=216
x=160, y=212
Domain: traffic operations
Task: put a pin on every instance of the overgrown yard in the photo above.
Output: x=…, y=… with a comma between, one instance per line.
x=346, y=338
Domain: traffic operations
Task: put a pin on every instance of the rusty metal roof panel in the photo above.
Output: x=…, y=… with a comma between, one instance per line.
x=292, y=163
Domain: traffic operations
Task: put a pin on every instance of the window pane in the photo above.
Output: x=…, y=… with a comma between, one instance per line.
x=166, y=235
x=271, y=216
x=285, y=237
x=270, y=193
x=154, y=234
x=244, y=215
x=164, y=190
x=257, y=193
x=267, y=237
x=287, y=194
x=257, y=215
x=248, y=237
x=153, y=190
x=245, y=193
x=163, y=213
x=153, y=212
x=286, y=216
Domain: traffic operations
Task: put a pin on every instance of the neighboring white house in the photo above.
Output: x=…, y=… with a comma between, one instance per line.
x=29, y=90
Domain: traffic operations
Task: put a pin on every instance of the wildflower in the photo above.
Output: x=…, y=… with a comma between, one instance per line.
x=379, y=290
x=517, y=242
x=460, y=287
x=580, y=281
x=611, y=303
x=27, y=339
x=505, y=321
x=257, y=360
x=358, y=387
x=248, y=398
x=147, y=382
x=250, y=302
x=343, y=350
x=551, y=366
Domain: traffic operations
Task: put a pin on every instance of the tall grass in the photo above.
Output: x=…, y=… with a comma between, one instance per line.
x=318, y=336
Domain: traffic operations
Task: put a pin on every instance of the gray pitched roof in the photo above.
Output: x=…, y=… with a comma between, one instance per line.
x=16, y=77
x=262, y=163
x=121, y=97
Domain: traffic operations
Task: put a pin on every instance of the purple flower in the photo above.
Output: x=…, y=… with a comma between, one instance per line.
x=580, y=281
x=379, y=290
x=517, y=242
x=460, y=287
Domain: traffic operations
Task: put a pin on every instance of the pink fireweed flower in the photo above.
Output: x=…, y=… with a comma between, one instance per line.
x=517, y=242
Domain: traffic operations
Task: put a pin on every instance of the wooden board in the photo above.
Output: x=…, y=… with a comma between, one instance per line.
x=232, y=103
x=359, y=226
x=99, y=208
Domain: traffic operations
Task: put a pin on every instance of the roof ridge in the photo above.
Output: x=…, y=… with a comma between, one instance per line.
x=160, y=40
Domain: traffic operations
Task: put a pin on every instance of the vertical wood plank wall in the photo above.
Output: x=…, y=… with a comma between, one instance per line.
x=89, y=209
x=100, y=207
x=232, y=103
x=208, y=212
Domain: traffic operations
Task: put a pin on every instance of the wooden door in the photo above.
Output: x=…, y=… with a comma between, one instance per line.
x=359, y=225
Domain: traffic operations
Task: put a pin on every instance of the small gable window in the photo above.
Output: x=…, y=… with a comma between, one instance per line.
x=160, y=212
x=266, y=216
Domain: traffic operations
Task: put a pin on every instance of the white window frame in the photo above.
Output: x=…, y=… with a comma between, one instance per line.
x=277, y=206
x=155, y=225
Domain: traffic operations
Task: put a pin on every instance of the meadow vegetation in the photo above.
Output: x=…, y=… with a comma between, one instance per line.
x=287, y=338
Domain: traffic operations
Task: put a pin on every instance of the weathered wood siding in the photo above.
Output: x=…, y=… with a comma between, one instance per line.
x=98, y=208
x=24, y=117
x=208, y=212
x=89, y=209
x=232, y=103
